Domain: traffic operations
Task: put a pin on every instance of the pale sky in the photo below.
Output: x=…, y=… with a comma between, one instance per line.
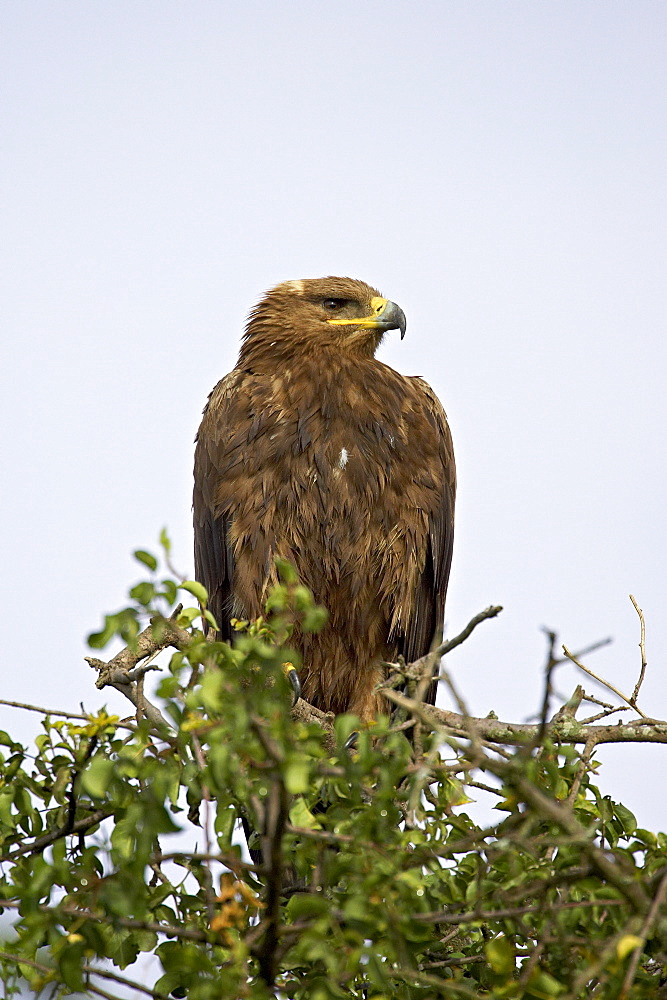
x=498, y=169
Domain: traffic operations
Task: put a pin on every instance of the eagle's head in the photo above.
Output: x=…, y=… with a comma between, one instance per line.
x=315, y=313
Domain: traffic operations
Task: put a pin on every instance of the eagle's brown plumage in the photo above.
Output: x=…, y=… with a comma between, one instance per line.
x=313, y=450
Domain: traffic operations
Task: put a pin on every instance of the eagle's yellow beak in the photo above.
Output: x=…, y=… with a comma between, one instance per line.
x=386, y=315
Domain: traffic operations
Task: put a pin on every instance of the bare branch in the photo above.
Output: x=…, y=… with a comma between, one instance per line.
x=584, y=764
x=424, y=668
x=604, y=715
x=642, y=650
x=591, y=648
x=602, y=681
x=425, y=665
x=235, y=864
x=445, y=647
x=45, y=711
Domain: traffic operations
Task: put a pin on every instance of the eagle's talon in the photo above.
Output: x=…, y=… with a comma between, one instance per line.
x=351, y=741
x=292, y=676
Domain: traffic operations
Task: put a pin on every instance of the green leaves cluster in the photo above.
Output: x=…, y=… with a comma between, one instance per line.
x=120, y=842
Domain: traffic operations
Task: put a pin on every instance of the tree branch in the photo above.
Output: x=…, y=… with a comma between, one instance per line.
x=81, y=826
x=169, y=930
x=122, y=672
x=560, y=730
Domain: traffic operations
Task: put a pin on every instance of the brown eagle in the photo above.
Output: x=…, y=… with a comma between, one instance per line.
x=313, y=450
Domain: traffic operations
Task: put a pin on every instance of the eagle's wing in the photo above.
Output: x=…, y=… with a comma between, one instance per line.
x=426, y=622
x=214, y=453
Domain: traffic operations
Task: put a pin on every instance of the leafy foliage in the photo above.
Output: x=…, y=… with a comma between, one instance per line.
x=121, y=839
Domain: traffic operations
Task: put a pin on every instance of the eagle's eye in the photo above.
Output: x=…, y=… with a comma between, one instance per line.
x=332, y=305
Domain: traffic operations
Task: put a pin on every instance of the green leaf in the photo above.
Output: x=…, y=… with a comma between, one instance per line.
x=7, y=741
x=69, y=963
x=626, y=818
x=277, y=600
x=646, y=837
x=196, y=589
x=143, y=593
x=188, y=616
x=170, y=588
x=211, y=620
x=286, y=571
x=501, y=956
x=124, y=623
x=165, y=542
x=146, y=558
x=315, y=619
x=306, y=906
x=97, y=776
x=297, y=776
x=98, y=640
x=42, y=878
x=300, y=815
x=123, y=839
x=543, y=986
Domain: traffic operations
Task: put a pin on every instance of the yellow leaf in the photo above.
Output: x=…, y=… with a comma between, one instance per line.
x=627, y=944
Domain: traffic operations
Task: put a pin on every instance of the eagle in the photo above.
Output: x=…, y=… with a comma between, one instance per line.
x=314, y=451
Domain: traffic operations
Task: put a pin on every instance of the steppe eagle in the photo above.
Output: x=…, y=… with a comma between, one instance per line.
x=313, y=450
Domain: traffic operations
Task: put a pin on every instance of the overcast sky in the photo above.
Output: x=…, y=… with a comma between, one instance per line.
x=498, y=169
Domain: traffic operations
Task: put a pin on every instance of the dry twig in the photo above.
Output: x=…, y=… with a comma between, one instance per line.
x=602, y=681
x=642, y=650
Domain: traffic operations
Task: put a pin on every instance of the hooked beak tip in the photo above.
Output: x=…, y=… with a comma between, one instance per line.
x=394, y=318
